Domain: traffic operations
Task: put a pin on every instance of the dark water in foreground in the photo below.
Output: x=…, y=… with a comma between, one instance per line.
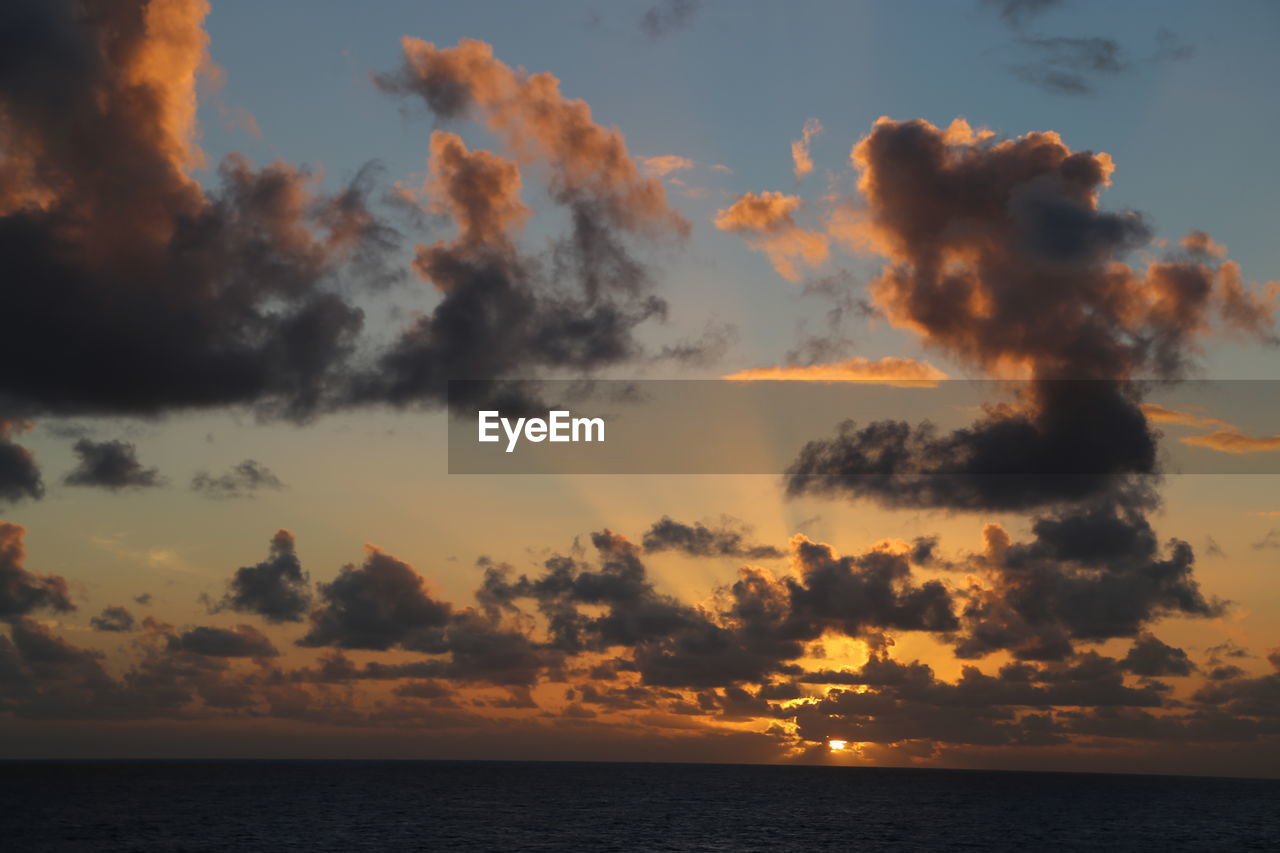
x=389, y=806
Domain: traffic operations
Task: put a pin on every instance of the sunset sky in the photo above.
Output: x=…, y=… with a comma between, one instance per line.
x=244, y=248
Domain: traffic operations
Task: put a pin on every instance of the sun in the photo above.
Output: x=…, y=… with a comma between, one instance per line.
x=837, y=745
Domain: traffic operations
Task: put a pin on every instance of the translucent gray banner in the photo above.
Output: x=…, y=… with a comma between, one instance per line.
x=843, y=428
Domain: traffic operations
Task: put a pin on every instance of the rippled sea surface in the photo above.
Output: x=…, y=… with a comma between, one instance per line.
x=389, y=806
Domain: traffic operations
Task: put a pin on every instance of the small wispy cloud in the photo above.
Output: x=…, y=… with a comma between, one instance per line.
x=800, y=148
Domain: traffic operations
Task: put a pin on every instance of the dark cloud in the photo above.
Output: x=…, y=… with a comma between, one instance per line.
x=1065, y=65
x=760, y=626
x=1269, y=542
x=182, y=297
x=110, y=465
x=380, y=604
x=1074, y=65
x=1087, y=576
x=1245, y=696
x=1154, y=659
x=243, y=641
x=727, y=539
x=19, y=476
x=1016, y=13
x=424, y=690
x=385, y=604
x=668, y=16
x=862, y=594
x=277, y=588
x=113, y=619
x=1075, y=441
x=143, y=598
x=42, y=675
x=21, y=591
x=847, y=302
x=242, y=480
x=1170, y=48
x=1225, y=673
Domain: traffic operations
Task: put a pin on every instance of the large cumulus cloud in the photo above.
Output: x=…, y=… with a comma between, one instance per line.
x=141, y=290
x=1001, y=257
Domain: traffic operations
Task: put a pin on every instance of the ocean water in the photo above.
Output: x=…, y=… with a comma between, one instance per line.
x=475, y=806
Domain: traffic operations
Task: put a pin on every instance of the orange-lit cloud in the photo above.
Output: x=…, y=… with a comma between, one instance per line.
x=1228, y=441
x=767, y=222
x=1201, y=243
x=970, y=232
x=1000, y=255
x=166, y=64
x=1247, y=307
x=665, y=164
x=537, y=123
x=1164, y=415
x=479, y=191
x=803, y=163
x=97, y=143
x=887, y=371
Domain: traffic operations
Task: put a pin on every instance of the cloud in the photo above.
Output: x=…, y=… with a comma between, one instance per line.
x=665, y=164
x=1076, y=441
x=1064, y=63
x=185, y=297
x=19, y=475
x=1000, y=257
x=667, y=17
x=1269, y=542
x=381, y=604
x=1151, y=658
x=243, y=641
x=245, y=289
x=21, y=591
x=727, y=539
x=1231, y=441
x=116, y=619
x=588, y=162
x=242, y=480
x=1198, y=242
x=800, y=148
x=1088, y=575
x=888, y=370
x=1225, y=439
x=631, y=661
x=767, y=222
x=1016, y=13
x=1155, y=413
x=111, y=465
x=1073, y=65
x=574, y=309
x=758, y=628
x=276, y=589
x=1248, y=308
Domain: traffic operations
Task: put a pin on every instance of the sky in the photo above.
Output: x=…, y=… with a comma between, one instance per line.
x=246, y=247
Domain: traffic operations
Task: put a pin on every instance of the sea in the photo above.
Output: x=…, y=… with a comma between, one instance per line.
x=350, y=806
